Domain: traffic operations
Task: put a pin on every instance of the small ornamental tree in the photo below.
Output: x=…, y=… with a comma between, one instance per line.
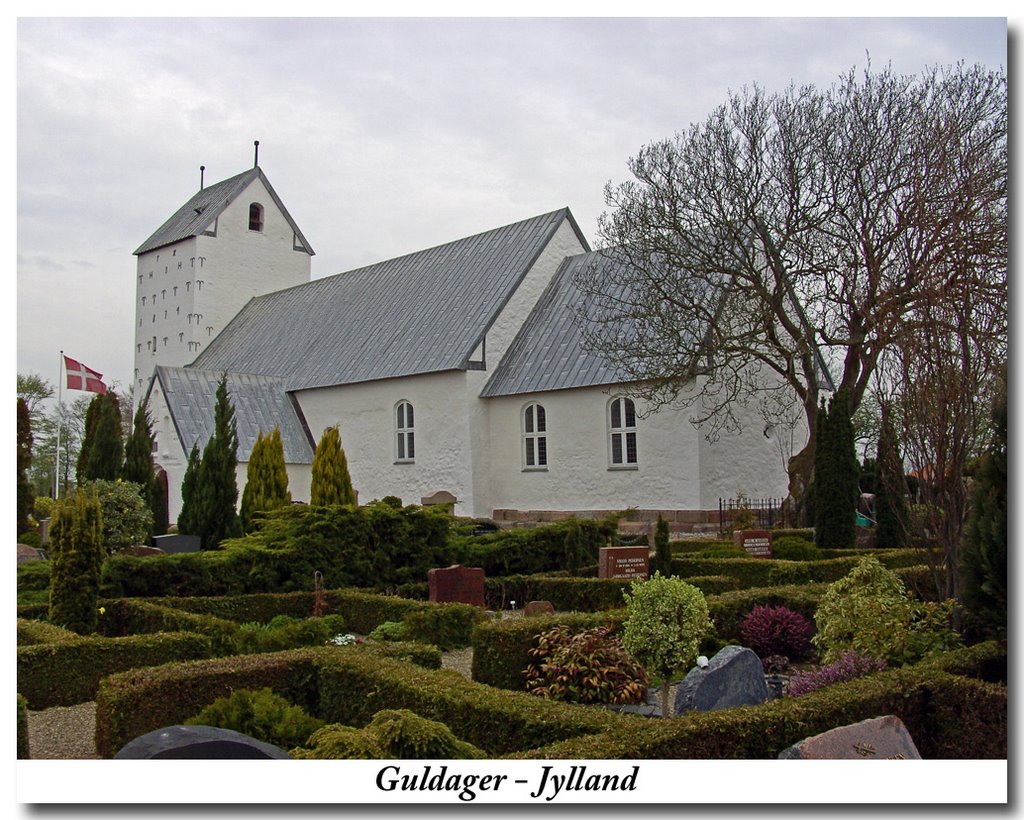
x=188, y=518
x=985, y=576
x=869, y=611
x=891, y=515
x=662, y=552
x=836, y=477
x=666, y=621
x=216, y=488
x=266, y=479
x=76, y=549
x=127, y=518
x=25, y=497
x=331, y=484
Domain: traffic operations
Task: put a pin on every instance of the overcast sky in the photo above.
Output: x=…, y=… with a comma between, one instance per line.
x=382, y=136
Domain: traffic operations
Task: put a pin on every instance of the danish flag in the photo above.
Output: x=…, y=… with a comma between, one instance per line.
x=81, y=377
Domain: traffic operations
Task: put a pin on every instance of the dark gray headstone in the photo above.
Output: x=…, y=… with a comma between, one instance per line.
x=733, y=677
x=177, y=543
x=198, y=743
x=881, y=738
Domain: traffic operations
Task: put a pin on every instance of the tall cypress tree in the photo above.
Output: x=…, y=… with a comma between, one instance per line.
x=983, y=558
x=76, y=547
x=92, y=415
x=138, y=463
x=890, y=489
x=103, y=449
x=266, y=484
x=188, y=518
x=25, y=497
x=331, y=483
x=216, y=487
x=836, y=488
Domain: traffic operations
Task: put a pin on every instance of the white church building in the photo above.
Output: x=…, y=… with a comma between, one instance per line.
x=459, y=368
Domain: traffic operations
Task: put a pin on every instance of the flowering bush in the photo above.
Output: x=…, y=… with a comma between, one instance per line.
x=344, y=640
x=850, y=665
x=776, y=630
x=591, y=667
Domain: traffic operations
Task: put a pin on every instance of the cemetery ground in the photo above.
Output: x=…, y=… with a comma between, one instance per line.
x=318, y=635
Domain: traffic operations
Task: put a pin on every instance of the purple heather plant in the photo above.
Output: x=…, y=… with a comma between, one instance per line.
x=849, y=666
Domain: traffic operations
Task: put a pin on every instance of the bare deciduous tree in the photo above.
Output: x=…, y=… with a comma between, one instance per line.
x=796, y=227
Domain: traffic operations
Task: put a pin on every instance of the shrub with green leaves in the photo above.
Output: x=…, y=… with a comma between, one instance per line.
x=260, y=714
x=126, y=516
x=76, y=546
x=588, y=667
x=392, y=734
x=389, y=631
x=869, y=611
x=666, y=621
x=284, y=632
x=789, y=548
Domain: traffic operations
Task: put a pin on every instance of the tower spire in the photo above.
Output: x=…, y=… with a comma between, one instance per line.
x=256, y=158
x=202, y=169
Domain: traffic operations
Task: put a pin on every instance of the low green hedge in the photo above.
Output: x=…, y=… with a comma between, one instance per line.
x=760, y=572
x=69, y=672
x=31, y=633
x=124, y=617
x=344, y=685
x=986, y=661
x=730, y=608
x=22, y=728
x=948, y=716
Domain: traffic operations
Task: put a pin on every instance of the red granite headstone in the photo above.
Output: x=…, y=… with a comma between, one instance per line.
x=757, y=543
x=457, y=584
x=881, y=738
x=628, y=563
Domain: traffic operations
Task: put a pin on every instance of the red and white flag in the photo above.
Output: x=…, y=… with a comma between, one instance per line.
x=81, y=377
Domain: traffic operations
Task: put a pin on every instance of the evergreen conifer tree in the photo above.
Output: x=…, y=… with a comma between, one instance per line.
x=138, y=464
x=836, y=488
x=216, y=488
x=25, y=497
x=984, y=552
x=188, y=518
x=662, y=551
x=103, y=449
x=266, y=484
x=76, y=549
x=331, y=483
x=890, y=489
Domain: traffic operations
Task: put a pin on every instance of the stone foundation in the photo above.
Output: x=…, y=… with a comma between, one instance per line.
x=634, y=522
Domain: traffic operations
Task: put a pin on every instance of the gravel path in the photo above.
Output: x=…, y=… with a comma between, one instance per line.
x=63, y=733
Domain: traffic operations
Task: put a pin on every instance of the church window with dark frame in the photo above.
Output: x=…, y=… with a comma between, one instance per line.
x=256, y=217
x=405, y=436
x=535, y=439
x=622, y=450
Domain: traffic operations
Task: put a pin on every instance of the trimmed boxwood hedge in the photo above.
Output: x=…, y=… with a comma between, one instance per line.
x=22, y=728
x=69, y=672
x=339, y=684
x=948, y=716
x=36, y=632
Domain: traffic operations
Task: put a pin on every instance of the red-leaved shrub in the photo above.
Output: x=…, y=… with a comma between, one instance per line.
x=776, y=630
x=849, y=666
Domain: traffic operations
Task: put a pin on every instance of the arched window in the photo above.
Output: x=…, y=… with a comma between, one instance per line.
x=404, y=435
x=535, y=440
x=256, y=217
x=622, y=432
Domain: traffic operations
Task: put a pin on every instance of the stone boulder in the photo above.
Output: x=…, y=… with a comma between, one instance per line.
x=733, y=677
x=198, y=743
x=880, y=738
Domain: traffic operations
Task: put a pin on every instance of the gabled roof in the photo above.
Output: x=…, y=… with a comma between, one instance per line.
x=421, y=313
x=261, y=404
x=200, y=212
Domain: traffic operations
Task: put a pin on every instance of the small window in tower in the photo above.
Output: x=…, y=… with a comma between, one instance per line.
x=256, y=217
x=143, y=300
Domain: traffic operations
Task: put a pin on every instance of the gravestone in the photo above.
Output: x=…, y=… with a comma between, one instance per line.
x=627, y=563
x=140, y=551
x=539, y=608
x=880, y=738
x=442, y=498
x=27, y=553
x=457, y=584
x=198, y=743
x=757, y=543
x=733, y=677
x=177, y=543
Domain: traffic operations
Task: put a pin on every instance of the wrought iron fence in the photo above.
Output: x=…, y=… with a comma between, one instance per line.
x=767, y=512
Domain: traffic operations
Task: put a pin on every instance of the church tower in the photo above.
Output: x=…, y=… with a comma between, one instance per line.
x=230, y=242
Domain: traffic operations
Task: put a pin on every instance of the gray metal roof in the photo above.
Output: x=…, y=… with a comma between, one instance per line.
x=261, y=404
x=550, y=352
x=199, y=213
x=421, y=313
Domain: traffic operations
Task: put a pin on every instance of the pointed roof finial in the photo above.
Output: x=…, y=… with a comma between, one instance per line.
x=202, y=168
x=256, y=159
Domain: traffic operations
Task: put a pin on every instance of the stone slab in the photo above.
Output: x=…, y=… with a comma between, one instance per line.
x=880, y=738
x=627, y=563
x=757, y=543
x=198, y=743
x=177, y=543
x=27, y=553
x=538, y=608
x=457, y=584
x=733, y=677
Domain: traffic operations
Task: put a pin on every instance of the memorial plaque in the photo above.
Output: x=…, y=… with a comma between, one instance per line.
x=757, y=543
x=627, y=563
x=881, y=738
x=457, y=584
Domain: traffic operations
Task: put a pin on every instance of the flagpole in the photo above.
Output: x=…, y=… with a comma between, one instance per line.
x=60, y=421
